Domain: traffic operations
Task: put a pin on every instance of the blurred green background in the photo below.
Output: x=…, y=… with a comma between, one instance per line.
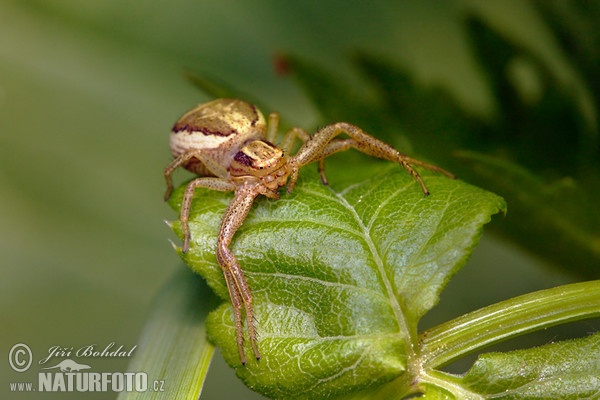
x=88, y=93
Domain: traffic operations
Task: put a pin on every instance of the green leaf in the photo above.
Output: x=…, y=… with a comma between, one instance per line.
x=173, y=349
x=340, y=274
x=563, y=370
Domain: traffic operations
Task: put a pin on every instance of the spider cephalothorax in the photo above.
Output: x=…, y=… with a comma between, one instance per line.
x=228, y=143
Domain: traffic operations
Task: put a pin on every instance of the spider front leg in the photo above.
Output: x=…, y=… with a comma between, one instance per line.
x=238, y=288
x=186, y=204
x=323, y=144
x=186, y=157
x=287, y=144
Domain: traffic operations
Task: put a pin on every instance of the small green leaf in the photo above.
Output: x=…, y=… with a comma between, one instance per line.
x=340, y=274
x=562, y=370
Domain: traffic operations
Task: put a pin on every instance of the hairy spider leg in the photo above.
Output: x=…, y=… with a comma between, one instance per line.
x=322, y=145
x=219, y=182
x=287, y=145
x=186, y=204
x=182, y=159
x=237, y=304
x=236, y=281
x=338, y=145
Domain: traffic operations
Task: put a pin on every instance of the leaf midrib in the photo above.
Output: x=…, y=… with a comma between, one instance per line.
x=393, y=301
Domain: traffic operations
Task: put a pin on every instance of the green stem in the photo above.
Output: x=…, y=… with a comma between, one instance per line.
x=471, y=332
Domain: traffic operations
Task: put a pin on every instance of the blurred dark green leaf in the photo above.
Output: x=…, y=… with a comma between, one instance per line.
x=556, y=220
x=548, y=136
x=575, y=26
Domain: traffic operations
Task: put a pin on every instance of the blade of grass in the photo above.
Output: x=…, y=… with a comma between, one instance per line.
x=173, y=349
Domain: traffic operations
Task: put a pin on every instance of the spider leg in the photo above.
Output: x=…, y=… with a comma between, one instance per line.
x=237, y=303
x=322, y=145
x=290, y=137
x=173, y=165
x=272, y=127
x=322, y=171
x=287, y=144
x=186, y=204
x=237, y=285
x=183, y=159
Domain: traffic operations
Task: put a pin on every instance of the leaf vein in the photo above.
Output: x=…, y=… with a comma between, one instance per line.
x=384, y=203
x=321, y=223
x=418, y=255
x=319, y=281
x=388, y=288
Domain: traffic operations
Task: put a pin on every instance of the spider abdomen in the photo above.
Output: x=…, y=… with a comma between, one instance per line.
x=219, y=129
